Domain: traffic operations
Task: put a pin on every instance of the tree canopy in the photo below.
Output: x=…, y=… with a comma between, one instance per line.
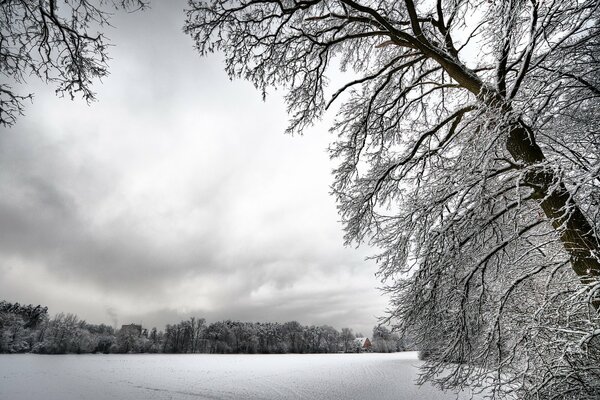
x=467, y=151
x=58, y=41
x=29, y=329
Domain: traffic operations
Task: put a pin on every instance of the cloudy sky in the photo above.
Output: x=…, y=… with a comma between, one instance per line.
x=175, y=194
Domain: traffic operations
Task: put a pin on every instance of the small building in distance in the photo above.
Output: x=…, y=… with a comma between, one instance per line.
x=132, y=329
x=362, y=344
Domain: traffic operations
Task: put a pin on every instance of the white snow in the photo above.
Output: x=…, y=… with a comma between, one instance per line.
x=203, y=376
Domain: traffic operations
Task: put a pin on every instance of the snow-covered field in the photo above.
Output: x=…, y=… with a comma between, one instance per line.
x=203, y=376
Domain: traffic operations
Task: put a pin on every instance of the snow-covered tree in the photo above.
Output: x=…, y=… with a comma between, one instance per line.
x=63, y=334
x=384, y=341
x=468, y=145
x=347, y=338
x=57, y=41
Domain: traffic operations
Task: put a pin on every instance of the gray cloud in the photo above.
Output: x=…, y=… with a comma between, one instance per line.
x=175, y=194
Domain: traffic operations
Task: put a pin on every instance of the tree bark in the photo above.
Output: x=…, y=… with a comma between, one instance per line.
x=576, y=233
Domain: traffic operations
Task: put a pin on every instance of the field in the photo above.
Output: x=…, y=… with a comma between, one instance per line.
x=291, y=376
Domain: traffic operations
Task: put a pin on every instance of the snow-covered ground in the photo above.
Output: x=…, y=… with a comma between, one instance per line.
x=203, y=376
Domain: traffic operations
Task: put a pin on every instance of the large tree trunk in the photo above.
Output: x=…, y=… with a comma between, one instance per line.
x=576, y=233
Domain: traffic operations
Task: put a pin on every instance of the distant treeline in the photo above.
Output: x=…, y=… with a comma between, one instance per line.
x=29, y=329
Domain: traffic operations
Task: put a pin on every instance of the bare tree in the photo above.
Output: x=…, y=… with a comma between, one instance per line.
x=55, y=40
x=347, y=337
x=468, y=150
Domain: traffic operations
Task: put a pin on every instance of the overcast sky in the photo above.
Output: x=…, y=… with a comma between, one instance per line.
x=176, y=194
